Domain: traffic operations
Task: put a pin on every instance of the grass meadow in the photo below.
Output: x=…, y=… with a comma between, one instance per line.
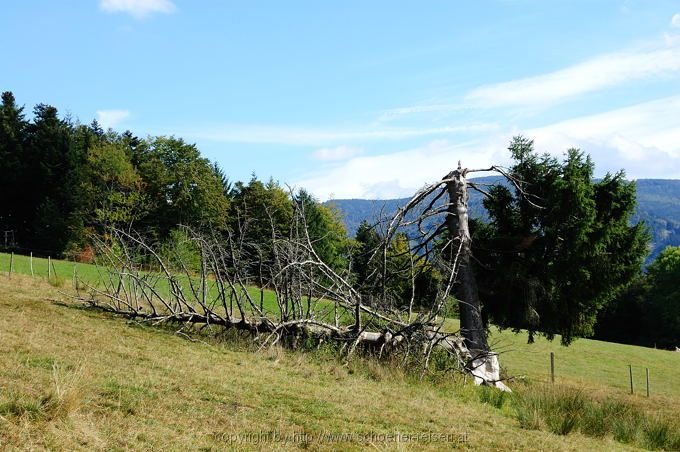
x=73, y=378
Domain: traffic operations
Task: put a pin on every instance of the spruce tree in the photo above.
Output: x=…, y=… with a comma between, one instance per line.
x=559, y=245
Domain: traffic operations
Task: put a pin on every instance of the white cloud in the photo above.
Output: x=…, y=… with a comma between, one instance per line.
x=675, y=21
x=111, y=118
x=341, y=152
x=396, y=113
x=320, y=136
x=397, y=174
x=598, y=73
x=659, y=59
x=138, y=9
x=643, y=139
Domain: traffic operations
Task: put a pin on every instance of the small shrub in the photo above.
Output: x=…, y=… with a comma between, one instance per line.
x=527, y=410
x=563, y=411
x=492, y=396
x=529, y=418
x=56, y=281
x=659, y=433
x=625, y=428
x=562, y=423
x=601, y=419
x=181, y=252
x=442, y=361
x=20, y=407
x=558, y=410
x=86, y=255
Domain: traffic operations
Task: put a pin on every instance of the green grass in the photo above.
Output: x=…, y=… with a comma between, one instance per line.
x=60, y=268
x=62, y=276
x=589, y=362
x=78, y=379
x=563, y=410
x=596, y=365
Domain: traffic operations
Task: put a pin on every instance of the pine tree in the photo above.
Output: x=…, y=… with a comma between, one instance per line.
x=326, y=230
x=12, y=136
x=559, y=245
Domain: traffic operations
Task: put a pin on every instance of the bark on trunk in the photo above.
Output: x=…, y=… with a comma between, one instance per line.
x=471, y=322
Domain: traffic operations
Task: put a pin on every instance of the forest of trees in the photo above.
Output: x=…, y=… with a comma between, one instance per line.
x=63, y=182
x=647, y=311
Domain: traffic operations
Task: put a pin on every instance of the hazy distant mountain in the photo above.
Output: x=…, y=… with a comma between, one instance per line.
x=658, y=205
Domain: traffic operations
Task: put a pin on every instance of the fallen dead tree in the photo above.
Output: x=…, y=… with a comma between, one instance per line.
x=278, y=290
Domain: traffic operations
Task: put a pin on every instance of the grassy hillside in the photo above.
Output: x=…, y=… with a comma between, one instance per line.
x=60, y=268
x=62, y=275
x=73, y=378
x=595, y=363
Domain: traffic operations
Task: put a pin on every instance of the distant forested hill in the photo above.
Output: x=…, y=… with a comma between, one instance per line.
x=658, y=206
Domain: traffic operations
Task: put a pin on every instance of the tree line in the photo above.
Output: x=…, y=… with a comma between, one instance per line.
x=62, y=181
x=647, y=311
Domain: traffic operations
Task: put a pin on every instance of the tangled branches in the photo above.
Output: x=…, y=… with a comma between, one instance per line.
x=278, y=289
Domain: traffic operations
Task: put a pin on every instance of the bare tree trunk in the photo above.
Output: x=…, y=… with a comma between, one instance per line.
x=471, y=323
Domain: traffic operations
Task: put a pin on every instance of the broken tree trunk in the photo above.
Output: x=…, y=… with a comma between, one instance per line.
x=471, y=322
x=484, y=365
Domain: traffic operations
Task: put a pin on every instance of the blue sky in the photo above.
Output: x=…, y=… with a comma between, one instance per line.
x=361, y=98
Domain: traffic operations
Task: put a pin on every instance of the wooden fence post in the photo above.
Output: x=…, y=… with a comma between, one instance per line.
x=630, y=373
x=31, y=263
x=552, y=367
x=647, y=374
x=11, y=264
x=49, y=268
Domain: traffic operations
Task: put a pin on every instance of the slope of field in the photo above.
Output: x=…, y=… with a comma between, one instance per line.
x=65, y=274
x=76, y=379
x=596, y=364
